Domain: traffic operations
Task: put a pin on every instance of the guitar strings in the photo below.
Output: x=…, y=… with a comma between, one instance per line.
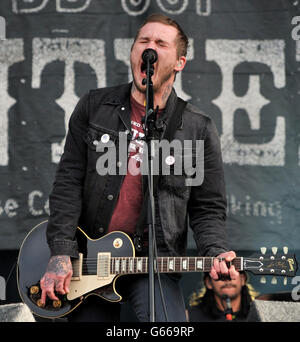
x=91, y=265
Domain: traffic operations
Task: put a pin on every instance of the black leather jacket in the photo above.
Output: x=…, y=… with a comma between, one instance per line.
x=81, y=197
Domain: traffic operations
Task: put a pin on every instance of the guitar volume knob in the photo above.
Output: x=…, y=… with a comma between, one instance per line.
x=39, y=303
x=56, y=304
x=34, y=290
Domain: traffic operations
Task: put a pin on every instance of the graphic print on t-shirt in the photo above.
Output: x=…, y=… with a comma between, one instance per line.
x=130, y=199
x=136, y=148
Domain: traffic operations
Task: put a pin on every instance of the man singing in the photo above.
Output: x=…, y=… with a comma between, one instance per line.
x=102, y=204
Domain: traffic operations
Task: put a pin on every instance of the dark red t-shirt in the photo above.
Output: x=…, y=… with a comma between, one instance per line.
x=130, y=199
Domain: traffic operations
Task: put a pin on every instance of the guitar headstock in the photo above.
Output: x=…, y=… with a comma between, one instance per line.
x=275, y=263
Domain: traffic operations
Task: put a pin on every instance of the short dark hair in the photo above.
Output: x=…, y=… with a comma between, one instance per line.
x=182, y=40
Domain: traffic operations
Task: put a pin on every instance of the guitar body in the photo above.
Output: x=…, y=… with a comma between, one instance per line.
x=34, y=257
x=103, y=260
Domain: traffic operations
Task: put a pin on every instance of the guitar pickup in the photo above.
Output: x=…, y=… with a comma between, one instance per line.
x=77, y=268
x=103, y=265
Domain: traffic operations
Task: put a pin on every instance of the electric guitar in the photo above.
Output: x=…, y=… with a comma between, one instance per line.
x=102, y=261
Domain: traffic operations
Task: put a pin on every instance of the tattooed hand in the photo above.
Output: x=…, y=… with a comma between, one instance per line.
x=57, y=277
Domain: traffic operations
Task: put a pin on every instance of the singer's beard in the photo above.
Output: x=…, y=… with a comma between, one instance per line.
x=231, y=296
x=157, y=84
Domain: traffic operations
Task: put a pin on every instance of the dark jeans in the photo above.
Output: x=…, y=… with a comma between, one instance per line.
x=134, y=289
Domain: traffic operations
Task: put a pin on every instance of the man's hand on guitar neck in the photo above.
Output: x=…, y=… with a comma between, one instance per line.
x=57, y=277
x=220, y=271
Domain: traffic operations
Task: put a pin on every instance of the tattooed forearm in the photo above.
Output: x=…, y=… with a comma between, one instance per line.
x=59, y=265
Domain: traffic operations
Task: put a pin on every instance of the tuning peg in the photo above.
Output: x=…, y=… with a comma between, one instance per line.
x=285, y=281
x=274, y=250
x=263, y=280
x=285, y=250
x=263, y=250
x=274, y=281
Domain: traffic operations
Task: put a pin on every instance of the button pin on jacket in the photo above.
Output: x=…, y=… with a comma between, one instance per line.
x=170, y=160
x=105, y=138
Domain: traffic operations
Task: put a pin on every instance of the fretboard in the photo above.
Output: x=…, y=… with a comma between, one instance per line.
x=135, y=265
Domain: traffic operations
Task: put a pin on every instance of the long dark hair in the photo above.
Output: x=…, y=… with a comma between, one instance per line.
x=208, y=303
x=209, y=306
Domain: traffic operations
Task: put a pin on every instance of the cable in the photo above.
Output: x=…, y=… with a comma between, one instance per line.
x=10, y=272
x=9, y=275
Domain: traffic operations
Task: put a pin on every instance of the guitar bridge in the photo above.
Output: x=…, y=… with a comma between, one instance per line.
x=103, y=265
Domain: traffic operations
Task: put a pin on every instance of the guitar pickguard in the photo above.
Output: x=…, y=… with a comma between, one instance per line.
x=87, y=284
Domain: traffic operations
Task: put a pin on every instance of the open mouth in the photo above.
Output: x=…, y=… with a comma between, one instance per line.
x=143, y=68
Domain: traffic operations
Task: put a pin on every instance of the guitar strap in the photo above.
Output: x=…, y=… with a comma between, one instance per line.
x=173, y=123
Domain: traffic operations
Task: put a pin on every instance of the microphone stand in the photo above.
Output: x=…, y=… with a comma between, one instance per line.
x=150, y=119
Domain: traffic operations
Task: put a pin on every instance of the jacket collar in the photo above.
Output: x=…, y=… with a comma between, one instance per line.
x=120, y=96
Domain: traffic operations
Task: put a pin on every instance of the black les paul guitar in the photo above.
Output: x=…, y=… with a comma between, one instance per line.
x=103, y=260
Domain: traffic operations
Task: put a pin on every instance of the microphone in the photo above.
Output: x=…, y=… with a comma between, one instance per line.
x=149, y=55
x=228, y=312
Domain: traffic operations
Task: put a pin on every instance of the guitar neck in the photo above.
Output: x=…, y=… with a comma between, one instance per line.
x=137, y=265
x=105, y=265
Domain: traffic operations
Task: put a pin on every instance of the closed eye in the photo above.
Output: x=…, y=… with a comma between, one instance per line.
x=144, y=40
x=162, y=43
x=159, y=42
